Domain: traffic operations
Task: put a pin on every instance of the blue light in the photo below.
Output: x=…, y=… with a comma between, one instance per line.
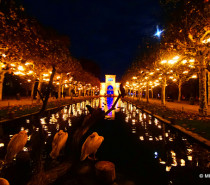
x=156, y=155
x=158, y=32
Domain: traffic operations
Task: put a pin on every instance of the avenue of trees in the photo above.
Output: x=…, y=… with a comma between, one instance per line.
x=39, y=56
x=182, y=54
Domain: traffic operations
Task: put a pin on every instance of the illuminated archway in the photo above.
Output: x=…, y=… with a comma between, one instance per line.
x=110, y=89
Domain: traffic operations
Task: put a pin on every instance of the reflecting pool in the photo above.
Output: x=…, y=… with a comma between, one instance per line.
x=144, y=150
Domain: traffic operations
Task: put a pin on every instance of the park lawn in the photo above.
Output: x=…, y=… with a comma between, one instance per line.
x=200, y=127
x=11, y=112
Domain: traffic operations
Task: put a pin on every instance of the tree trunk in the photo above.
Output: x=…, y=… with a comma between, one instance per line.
x=62, y=90
x=1, y=83
x=69, y=90
x=147, y=92
x=202, y=86
x=163, y=93
x=39, y=87
x=60, y=86
x=152, y=92
x=180, y=90
x=33, y=89
x=105, y=171
x=140, y=94
x=48, y=90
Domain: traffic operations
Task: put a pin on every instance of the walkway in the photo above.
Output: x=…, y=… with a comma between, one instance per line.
x=184, y=106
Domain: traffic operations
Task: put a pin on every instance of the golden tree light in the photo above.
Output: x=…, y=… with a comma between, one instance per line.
x=206, y=41
x=191, y=60
x=172, y=61
x=164, y=62
x=194, y=76
x=184, y=61
x=176, y=58
x=13, y=65
x=20, y=68
x=30, y=72
x=19, y=73
x=28, y=63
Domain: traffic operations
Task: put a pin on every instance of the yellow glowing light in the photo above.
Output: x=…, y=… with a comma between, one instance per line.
x=172, y=61
x=29, y=80
x=171, y=77
x=20, y=68
x=162, y=162
x=134, y=77
x=151, y=73
x=182, y=162
x=185, y=72
x=1, y=144
x=189, y=157
x=174, y=80
x=158, y=69
x=194, y=76
x=3, y=55
x=163, y=61
x=191, y=60
x=184, y=61
x=28, y=63
x=168, y=168
x=176, y=58
x=58, y=77
x=206, y=41
x=45, y=75
x=57, y=83
x=30, y=72
x=141, y=138
x=13, y=65
x=19, y=73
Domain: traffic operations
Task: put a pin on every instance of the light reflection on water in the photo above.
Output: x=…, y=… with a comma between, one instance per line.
x=170, y=148
x=178, y=149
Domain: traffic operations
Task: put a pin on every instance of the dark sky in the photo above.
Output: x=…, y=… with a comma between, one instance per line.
x=105, y=31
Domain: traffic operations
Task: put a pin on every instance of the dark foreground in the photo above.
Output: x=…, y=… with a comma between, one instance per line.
x=143, y=150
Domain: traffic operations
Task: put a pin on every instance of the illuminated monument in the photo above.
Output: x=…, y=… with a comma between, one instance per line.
x=109, y=87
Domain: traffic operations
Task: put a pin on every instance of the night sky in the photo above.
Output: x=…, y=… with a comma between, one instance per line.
x=107, y=32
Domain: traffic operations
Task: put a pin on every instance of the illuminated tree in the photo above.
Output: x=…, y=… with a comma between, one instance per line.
x=189, y=33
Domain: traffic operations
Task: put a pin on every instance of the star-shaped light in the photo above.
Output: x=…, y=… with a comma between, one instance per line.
x=158, y=32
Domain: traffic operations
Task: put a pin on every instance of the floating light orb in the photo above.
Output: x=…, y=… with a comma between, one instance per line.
x=158, y=32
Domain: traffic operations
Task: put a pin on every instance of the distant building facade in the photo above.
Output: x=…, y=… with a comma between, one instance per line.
x=110, y=86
